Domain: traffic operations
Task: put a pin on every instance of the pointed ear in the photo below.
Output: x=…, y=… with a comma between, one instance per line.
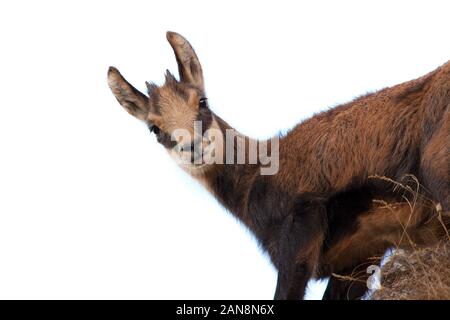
x=188, y=64
x=135, y=102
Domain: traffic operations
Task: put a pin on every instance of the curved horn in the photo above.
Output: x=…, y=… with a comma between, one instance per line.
x=188, y=64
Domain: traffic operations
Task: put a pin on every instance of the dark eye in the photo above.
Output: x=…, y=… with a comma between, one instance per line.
x=202, y=103
x=155, y=129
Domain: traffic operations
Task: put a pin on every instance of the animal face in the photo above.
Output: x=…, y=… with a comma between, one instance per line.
x=176, y=112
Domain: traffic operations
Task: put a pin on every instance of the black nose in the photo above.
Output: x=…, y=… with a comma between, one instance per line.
x=187, y=147
x=194, y=146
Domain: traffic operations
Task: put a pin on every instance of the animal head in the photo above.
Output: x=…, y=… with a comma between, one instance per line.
x=176, y=112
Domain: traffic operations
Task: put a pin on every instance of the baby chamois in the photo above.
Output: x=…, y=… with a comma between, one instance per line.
x=323, y=211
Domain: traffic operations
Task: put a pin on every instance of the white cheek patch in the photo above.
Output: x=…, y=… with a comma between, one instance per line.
x=182, y=158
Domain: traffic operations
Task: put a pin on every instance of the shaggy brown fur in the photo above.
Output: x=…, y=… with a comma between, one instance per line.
x=323, y=212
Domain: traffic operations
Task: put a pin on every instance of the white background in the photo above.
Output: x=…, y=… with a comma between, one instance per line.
x=92, y=207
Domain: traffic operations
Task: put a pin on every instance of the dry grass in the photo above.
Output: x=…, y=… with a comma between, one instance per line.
x=413, y=272
x=419, y=274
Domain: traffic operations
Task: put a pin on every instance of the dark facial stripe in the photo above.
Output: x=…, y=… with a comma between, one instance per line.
x=205, y=116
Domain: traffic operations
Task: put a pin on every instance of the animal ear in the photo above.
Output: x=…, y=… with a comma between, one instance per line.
x=135, y=102
x=188, y=65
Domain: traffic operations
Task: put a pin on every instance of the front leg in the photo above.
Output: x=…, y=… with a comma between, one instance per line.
x=291, y=284
x=299, y=247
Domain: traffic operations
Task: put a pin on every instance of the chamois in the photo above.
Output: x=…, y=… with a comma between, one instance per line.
x=325, y=209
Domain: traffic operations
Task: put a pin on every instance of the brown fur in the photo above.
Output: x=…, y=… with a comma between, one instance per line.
x=323, y=212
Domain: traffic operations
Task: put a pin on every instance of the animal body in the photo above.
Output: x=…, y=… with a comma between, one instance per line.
x=342, y=192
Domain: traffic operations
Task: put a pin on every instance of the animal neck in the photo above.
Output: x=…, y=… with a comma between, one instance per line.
x=230, y=182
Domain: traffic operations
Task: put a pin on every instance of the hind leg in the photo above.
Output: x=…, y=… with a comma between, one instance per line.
x=353, y=283
x=338, y=289
x=435, y=165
